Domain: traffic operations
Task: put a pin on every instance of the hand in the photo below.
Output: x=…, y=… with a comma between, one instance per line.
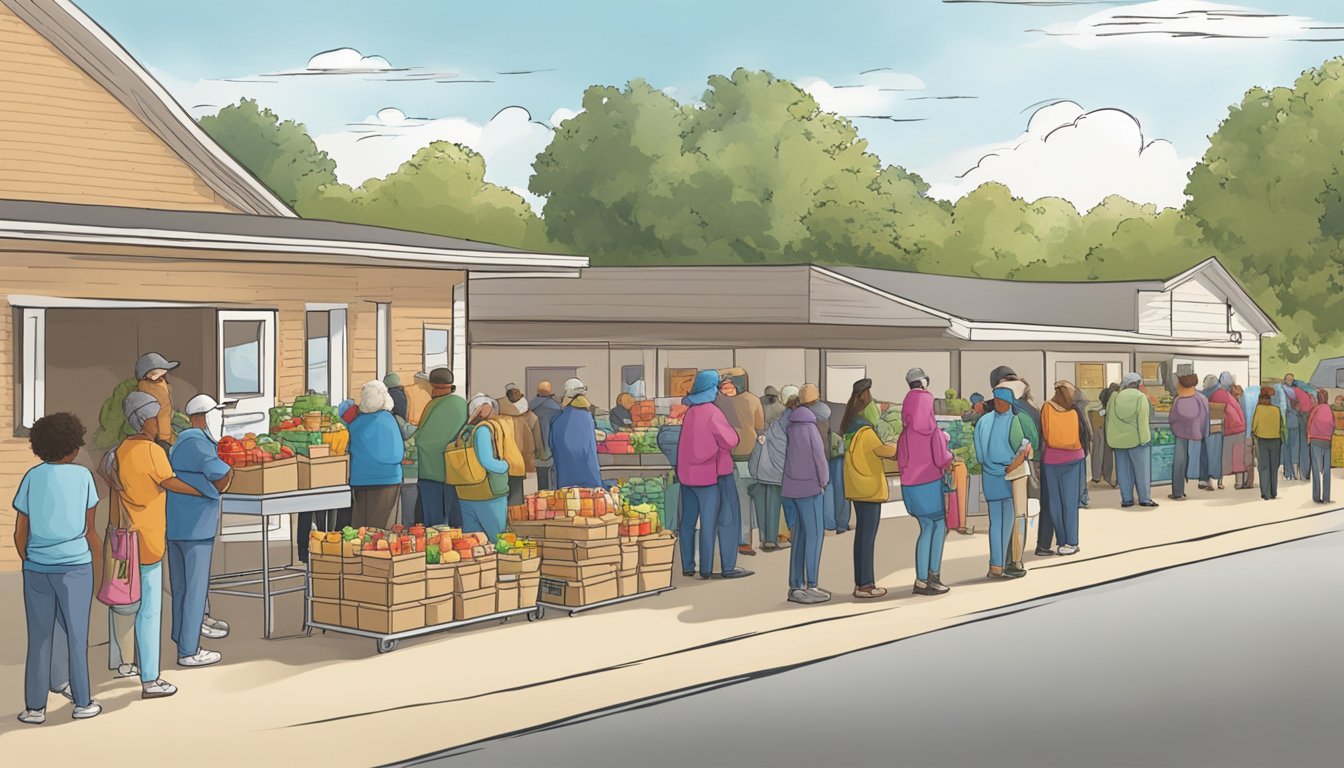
x=761, y=439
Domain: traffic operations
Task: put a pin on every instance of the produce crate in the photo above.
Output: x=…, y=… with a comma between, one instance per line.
x=323, y=472
x=326, y=565
x=326, y=611
x=326, y=587
x=279, y=476
x=529, y=588
x=627, y=583
x=506, y=596
x=382, y=564
x=473, y=604
x=656, y=550
x=438, y=611
x=558, y=569
x=390, y=620
x=583, y=529
x=513, y=565
x=376, y=591
x=654, y=578
x=489, y=571
x=1337, y=451
x=576, y=551
x=575, y=594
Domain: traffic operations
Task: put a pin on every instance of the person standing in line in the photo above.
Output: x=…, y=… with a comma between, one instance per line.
x=1189, y=421
x=1320, y=431
x=1064, y=435
x=1236, y=446
x=1002, y=448
x=1267, y=424
x=1029, y=483
x=1080, y=402
x=55, y=539
x=1131, y=439
x=440, y=423
x=574, y=438
x=704, y=460
x=146, y=477
x=193, y=522
x=1286, y=399
x=485, y=505
x=924, y=459
x=621, y=416
x=806, y=473
x=1103, y=458
x=1226, y=443
x=834, y=506
x=151, y=371
x=1250, y=399
x=546, y=409
x=376, y=453
x=515, y=442
x=865, y=483
x=767, y=468
x=1306, y=400
x=772, y=404
x=530, y=440
x=745, y=414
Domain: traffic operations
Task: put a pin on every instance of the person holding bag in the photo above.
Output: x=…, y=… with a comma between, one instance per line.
x=475, y=466
x=1003, y=449
x=376, y=452
x=55, y=539
x=925, y=460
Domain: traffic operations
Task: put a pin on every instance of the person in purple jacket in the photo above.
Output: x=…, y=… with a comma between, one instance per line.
x=923, y=456
x=704, y=459
x=1189, y=420
x=806, y=476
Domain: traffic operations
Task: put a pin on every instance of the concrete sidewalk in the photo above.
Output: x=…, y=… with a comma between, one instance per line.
x=333, y=699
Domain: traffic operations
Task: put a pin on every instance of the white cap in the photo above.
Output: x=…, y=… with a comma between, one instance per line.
x=575, y=387
x=203, y=404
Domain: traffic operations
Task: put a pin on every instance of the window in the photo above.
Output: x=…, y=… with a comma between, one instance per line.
x=30, y=358
x=632, y=380
x=436, y=348
x=318, y=352
x=1339, y=377
x=242, y=358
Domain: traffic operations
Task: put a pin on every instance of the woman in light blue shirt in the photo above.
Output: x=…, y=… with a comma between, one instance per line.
x=485, y=507
x=54, y=535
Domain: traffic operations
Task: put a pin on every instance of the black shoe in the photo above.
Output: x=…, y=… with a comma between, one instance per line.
x=929, y=590
x=737, y=573
x=1176, y=498
x=688, y=574
x=1148, y=504
x=841, y=531
x=1127, y=505
x=1040, y=552
x=1015, y=571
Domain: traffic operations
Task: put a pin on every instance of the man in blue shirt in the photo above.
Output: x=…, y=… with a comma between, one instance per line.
x=192, y=524
x=546, y=409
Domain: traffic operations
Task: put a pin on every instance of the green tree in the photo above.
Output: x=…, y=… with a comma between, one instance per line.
x=279, y=153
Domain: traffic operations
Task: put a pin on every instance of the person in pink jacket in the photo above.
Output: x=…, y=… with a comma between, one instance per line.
x=1320, y=431
x=704, y=463
x=1231, y=443
x=923, y=456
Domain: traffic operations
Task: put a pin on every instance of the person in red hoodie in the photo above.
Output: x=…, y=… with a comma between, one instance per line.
x=1320, y=431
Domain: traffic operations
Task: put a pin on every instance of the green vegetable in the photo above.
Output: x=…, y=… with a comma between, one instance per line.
x=112, y=425
x=432, y=554
x=348, y=533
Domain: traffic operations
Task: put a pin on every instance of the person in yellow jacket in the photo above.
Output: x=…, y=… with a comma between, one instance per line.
x=1267, y=427
x=511, y=419
x=865, y=482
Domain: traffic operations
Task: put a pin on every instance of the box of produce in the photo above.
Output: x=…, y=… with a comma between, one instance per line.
x=528, y=529
x=323, y=472
x=509, y=543
x=506, y=596
x=656, y=550
x=515, y=565
x=327, y=565
x=627, y=583
x=587, y=569
x=629, y=555
x=583, y=529
x=326, y=611
x=440, y=581
x=326, y=587
x=376, y=591
x=489, y=571
x=654, y=578
x=467, y=577
x=575, y=551
x=1337, y=451
x=252, y=450
x=438, y=611
x=380, y=564
x=389, y=620
x=279, y=476
x=349, y=614
x=528, y=589
x=575, y=594
x=473, y=604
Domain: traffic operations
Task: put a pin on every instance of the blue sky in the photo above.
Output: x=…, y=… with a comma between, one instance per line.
x=1177, y=77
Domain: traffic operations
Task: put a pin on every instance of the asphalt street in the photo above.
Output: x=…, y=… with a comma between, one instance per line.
x=1237, y=661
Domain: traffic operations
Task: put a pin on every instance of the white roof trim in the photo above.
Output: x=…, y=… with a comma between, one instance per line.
x=1231, y=285
x=975, y=331
x=446, y=257
x=71, y=30
x=63, y=302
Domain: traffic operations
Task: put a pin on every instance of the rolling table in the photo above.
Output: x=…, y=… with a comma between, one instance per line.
x=264, y=507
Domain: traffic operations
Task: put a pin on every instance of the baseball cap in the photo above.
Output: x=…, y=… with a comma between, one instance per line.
x=204, y=404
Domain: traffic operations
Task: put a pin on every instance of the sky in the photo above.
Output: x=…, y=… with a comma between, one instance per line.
x=1071, y=98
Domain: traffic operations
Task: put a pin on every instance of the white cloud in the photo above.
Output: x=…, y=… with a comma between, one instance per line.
x=1082, y=157
x=346, y=60
x=561, y=115
x=376, y=147
x=876, y=92
x=1186, y=20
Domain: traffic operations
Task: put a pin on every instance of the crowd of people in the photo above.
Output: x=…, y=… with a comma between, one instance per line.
x=785, y=466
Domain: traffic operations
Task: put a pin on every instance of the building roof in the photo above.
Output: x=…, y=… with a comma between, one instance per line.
x=94, y=51
x=66, y=222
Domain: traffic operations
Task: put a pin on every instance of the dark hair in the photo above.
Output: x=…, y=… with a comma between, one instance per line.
x=1188, y=380
x=56, y=436
x=857, y=402
x=1322, y=397
x=1266, y=394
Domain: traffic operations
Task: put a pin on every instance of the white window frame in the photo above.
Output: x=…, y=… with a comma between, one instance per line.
x=383, y=343
x=338, y=354
x=458, y=349
x=249, y=413
x=34, y=361
x=424, y=348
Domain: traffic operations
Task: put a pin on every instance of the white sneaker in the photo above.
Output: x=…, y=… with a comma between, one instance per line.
x=157, y=690
x=819, y=592
x=84, y=713
x=213, y=633
x=216, y=624
x=127, y=670
x=203, y=658
x=33, y=716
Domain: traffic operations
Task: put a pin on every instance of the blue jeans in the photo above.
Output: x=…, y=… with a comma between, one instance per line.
x=189, y=581
x=489, y=516
x=57, y=603
x=1292, y=446
x=726, y=525
x=1000, y=530
x=149, y=621
x=1320, y=470
x=835, y=508
x=693, y=499
x=1134, y=469
x=1061, y=484
x=1213, y=449
x=805, y=558
x=869, y=514
x=440, y=504
x=1187, y=455
x=1268, y=453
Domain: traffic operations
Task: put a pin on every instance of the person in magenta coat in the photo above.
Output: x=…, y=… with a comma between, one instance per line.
x=1229, y=448
x=704, y=460
x=923, y=456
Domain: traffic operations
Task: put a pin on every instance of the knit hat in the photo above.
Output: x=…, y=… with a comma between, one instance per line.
x=788, y=393
x=1130, y=379
x=441, y=377
x=771, y=391
x=809, y=394
x=704, y=389
x=392, y=380
x=139, y=407
x=152, y=361
x=478, y=401
x=999, y=374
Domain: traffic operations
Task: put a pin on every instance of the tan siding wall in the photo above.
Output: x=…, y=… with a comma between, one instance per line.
x=65, y=139
x=418, y=296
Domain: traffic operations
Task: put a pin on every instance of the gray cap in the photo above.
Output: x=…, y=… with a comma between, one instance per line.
x=137, y=409
x=915, y=374
x=441, y=376
x=152, y=361
x=1131, y=379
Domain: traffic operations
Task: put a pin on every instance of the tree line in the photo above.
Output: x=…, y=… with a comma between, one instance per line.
x=758, y=173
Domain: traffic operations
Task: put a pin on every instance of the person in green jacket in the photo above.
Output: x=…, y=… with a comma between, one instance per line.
x=1130, y=438
x=443, y=419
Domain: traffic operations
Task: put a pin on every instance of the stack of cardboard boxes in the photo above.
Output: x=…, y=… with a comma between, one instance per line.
x=579, y=560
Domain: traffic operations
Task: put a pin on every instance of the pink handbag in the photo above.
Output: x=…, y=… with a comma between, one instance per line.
x=953, y=510
x=121, y=564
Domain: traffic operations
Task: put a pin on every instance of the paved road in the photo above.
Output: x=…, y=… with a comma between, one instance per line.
x=1233, y=662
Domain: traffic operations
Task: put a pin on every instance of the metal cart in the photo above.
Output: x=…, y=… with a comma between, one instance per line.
x=542, y=605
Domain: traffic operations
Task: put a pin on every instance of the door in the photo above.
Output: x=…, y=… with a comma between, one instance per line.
x=247, y=348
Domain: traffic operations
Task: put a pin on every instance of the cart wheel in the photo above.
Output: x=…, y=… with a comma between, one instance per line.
x=387, y=645
x=537, y=615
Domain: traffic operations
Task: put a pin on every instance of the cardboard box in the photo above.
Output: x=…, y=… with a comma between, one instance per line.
x=473, y=604
x=371, y=590
x=575, y=594
x=629, y=556
x=489, y=571
x=529, y=588
x=560, y=569
x=575, y=551
x=350, y=614
x=438, y=611
x=326, y=612
x=281, y=476
x=506, y=596
x=317, y=451
x=382, y=564
x=326, y=587
x=387, y=621
x=466, y=577
x=654, y=578
x=627, y=583
x=557, y=530
x=336, y=548
x=352, y=566
x=513, y=565
x=325, y=564
x=656, y=550
x=528, y=529
x=323, y=472
x=439, y=585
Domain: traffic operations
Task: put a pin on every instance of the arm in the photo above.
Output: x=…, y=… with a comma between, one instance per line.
x=164, y=477
x=819, y=457
x=21, y=535
x=758, y=413
x=942, y=455
x=176, y=485
x=95, y=546
x=485, y=451
x=1145, y=434
x=723, y=432
x=543, y=450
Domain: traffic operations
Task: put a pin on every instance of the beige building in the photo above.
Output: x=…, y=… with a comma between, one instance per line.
x=125, y=230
